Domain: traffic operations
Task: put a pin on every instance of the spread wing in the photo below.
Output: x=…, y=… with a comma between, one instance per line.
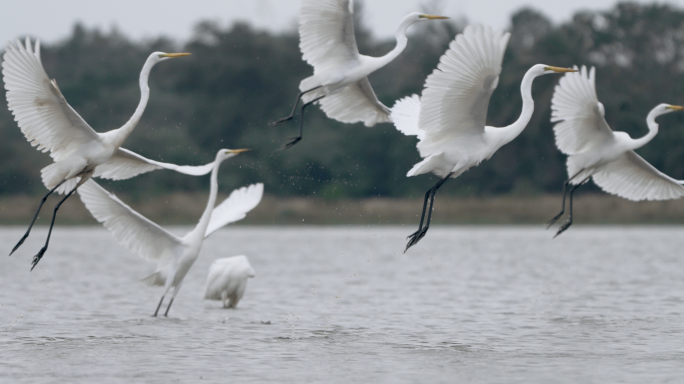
x=235, y=207
x=579, y=113
x=356, y=102
x=326, y=32
x=130, y=229
x=634, y=178
x=456, y=94
x=405, y=116
x=38, y=106
x=125, y=164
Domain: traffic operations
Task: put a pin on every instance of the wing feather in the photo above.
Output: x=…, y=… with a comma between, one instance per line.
x=578, y=113
x=457, y=93
x=38, y=106
x=326, y=31
x=235, y=207
x=633, y=178
x=130, y=229
x=125, y=164
x=356, y=103
x=405, y=116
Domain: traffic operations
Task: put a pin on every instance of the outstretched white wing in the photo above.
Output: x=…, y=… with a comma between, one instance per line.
x=634, y=178
x=406, y=114
x=125, y=164
x=235, y=207
x=456, y=94
x=326, y=32
x=579, y=113
x=356, y=102
x=38, y=106
x=130, y=229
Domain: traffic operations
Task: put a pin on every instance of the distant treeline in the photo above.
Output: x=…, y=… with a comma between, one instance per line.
x=238, y=79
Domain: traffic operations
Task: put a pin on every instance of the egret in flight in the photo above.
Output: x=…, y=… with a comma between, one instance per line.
x=339, y=82
x=227, y=280
x=449, y=119
x=174, y=255
x=51, y=124
x=595, y=151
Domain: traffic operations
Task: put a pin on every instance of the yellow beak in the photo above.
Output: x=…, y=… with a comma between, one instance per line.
x=172, y=55
x=432, y=17
x=675, y=107
x=560, y=69
x=236, y=151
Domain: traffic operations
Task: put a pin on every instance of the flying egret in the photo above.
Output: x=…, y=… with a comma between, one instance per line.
x=449, y=119
x=174, y=255
x=339, y=82
x=227, y=280
x=51, y=124
x=595, y=151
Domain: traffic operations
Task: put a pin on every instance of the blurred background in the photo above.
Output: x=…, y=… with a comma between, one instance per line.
x=244, y=72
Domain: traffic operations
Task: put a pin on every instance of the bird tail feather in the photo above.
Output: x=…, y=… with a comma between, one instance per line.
x=153, y=279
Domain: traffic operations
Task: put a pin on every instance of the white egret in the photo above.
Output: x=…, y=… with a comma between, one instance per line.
x=449, y=119
x=339, y=82
x=227, y=280
x=174, y=255
x=51, y=124
x=595, y=151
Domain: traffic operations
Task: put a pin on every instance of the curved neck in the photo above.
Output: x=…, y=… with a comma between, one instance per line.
x=122, y=133
x=402, y=40
x=203, y=223
x=512, y=131
x=652, y=131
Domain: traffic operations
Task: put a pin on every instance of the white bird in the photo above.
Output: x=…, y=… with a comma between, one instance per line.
x=174, y=255
x=51, y=124
x=595, y=151
x=227, y=280
x=339, y=82
x=449, y=119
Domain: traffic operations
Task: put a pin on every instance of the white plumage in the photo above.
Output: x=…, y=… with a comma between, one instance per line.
x=174, y=255
x=595, y=151
x=227, y=280
x=449, y=119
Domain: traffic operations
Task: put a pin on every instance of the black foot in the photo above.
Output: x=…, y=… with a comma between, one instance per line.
x=292, y=142
x=279, y=121
x=552, y=221
x=415, y=237
x=37, y=257
x=18, y=244
x=563, y=228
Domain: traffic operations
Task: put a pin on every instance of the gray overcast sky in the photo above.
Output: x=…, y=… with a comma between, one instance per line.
x=51, y=20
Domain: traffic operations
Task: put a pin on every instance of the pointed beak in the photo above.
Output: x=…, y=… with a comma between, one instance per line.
x=236, y=151
x=433, y=17
x=173, y=55
x=560, y=69
x=675, y=107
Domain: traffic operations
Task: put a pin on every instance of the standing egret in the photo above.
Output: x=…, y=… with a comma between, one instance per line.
x=595, y=151
x=449, y=119
x=51, y=124
x=227, y=280
x=174, y=255
x=339, y=82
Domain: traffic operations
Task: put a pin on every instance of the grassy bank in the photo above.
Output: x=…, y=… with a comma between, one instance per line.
x=186, y=208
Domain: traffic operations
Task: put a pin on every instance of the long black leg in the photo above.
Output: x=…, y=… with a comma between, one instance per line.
x=166, y=314
x=415, y=237
x=295, y=140
x=40, y=253
x=294, y=108
x=158, y=306
x=42, y=201
x=569, y=222
x=565, y=191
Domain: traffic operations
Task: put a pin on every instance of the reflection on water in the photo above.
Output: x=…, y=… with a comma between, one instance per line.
x=336, y=304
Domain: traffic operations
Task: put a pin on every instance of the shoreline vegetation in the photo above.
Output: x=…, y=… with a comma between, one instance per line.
x=186, y=208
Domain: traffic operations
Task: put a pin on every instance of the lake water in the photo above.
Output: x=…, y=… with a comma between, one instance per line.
x=344, y=304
